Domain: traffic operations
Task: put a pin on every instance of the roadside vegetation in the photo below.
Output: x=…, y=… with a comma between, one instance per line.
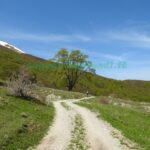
x=45, y=91
x=78, y=139
x=20, y=83
x=23, y=123
x=65, y=106
x=132, y=120
x=78, y=134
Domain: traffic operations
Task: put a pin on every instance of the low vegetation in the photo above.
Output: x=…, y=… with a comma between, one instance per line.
x=22, y=123
x=131, y=121
x=78, y=140
x=65, y=106
x=20, y=84
x=44, y=91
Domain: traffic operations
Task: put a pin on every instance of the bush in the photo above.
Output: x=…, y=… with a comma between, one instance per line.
x=104, y=100
x=20, y=84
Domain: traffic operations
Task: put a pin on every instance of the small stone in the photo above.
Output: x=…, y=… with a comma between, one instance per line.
x=24, y=115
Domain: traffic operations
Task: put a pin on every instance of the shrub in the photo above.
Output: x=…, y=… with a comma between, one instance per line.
x=104, y=100
x=20, y=84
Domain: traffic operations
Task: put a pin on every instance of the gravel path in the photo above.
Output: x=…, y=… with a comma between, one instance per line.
x=59, y=134
x=98, y=133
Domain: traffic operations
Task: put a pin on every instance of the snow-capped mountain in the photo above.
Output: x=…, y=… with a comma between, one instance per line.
x=11, y=47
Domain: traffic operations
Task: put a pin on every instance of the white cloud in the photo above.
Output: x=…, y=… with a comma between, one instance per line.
x=129, y=37
x=113, y=57
x=109, y=56
x=132, y=38
x=46, y=37
x=83, y=38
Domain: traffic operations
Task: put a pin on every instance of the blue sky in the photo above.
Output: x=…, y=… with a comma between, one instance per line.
x=110, y=32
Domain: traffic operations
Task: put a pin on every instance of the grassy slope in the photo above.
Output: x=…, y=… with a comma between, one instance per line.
x=10, y=61
x=133, y=123
x=48, y=75
x=18, y=132
x=44, y=91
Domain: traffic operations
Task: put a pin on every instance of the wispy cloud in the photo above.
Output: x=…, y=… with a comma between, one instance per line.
x=129, y=37
x=108, y=56
x=45, y=37
x=132, y=38
x=113, y=57
x=83, y=38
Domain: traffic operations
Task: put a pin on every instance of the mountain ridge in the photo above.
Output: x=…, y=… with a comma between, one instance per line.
x=11, y=47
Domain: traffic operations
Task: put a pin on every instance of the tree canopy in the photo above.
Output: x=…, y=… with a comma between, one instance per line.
x=74, y=64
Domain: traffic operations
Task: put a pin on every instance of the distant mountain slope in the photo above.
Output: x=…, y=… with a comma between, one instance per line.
x=48, y=74
x=10, y=53
x=11, y=60
x=11, y=47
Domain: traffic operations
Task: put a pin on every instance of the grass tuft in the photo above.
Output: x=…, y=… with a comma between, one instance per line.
x=78, y=141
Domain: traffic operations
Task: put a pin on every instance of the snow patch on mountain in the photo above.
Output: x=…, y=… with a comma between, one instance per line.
x=5, y=44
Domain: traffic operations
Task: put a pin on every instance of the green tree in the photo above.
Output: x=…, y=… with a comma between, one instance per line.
x=74, y=65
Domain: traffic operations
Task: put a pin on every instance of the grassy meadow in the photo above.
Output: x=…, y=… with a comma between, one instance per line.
x=132, y=120
x=22, y=123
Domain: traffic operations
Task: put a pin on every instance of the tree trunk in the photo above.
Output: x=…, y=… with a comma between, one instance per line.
x=69, y=83
x=70, y=87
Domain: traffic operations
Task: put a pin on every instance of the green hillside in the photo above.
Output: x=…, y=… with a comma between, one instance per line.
x=22, y=123
x=49, y=74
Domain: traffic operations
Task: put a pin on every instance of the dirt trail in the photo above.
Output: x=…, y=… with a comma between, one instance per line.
x=98, y=134
x=59, y=134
